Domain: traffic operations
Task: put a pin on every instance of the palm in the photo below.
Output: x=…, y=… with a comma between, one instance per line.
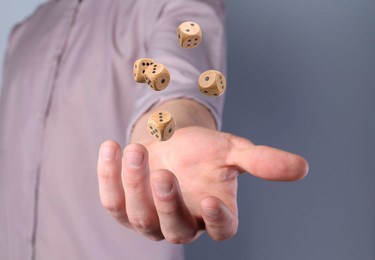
x=199, y=159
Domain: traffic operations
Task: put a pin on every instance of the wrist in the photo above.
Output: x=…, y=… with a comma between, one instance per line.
x=186, y=112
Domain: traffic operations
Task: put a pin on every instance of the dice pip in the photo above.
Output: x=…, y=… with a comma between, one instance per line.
x=157, y=76
x=189, y=35
x=212, y=83
x=161, y=125
x=140, y=67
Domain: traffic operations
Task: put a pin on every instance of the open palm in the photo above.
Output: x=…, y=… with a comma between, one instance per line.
x=176, y=188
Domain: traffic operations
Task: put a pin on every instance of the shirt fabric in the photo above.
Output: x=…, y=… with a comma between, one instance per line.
x=68, y=86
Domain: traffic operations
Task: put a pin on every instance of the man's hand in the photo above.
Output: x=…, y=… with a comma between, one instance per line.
x=174, y=189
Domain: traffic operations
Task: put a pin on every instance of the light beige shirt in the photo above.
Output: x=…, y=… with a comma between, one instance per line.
x=67, y=87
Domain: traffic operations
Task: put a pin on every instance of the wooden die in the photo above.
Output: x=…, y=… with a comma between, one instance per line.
x=212, y=83
x=161, y=125
x=140, y=67
x=157, y=76
x=189, y=35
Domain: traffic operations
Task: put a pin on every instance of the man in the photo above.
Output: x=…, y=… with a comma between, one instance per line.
x=68, y=87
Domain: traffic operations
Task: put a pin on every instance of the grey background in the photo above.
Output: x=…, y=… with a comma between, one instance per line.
x=301, y=78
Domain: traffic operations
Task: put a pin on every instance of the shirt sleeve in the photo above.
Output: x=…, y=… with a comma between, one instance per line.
x=185, y=65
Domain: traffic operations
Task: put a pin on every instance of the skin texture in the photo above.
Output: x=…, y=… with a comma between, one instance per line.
x=176, y=189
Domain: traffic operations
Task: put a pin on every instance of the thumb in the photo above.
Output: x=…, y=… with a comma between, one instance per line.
x=266, y=162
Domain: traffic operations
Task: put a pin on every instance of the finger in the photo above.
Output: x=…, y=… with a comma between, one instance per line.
x=176, y=222
x=109, y=176
x=139, y=203
x=219, y=221
x=267, y=162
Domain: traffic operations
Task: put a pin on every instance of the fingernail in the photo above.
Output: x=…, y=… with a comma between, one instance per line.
x=212, y=212
x=134, y=159
x=108, y=153
x=163, y=188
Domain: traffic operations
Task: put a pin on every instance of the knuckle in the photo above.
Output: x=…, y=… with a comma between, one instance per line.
x=117, y=211
x=223, y=236
x=145, y=226
x=178, y=238
x=227, y=234
x=156, y=237
x=135, y=181
x=133, y=184
x=106, y=173
x=169, y=206
x=169, y=211
x=113, y=207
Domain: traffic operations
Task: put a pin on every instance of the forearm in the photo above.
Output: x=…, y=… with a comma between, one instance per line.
x=186, y=112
